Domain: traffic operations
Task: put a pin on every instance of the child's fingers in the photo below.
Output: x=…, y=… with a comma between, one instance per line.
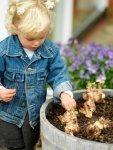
x=10, y=91
x=69, y=105
x=73, y=103
x=8, y=97
x=7, y=94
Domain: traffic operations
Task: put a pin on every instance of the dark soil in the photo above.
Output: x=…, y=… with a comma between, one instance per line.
x=105, y=110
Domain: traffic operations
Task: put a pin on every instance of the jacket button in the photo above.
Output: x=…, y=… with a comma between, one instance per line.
x=29, y=69
x=23, y=104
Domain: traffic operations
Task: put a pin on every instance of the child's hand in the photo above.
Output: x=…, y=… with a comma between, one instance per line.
x=67, y=102
x=7, y=94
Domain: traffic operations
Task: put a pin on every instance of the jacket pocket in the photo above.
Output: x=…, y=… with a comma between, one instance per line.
x=13, y=80
x=41, y=75
x=12, y=76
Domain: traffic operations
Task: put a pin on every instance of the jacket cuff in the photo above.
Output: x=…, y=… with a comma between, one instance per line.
x=64, y=86
x=69, y=93
x=2, y=87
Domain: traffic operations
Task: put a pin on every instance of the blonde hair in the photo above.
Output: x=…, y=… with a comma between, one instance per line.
x=29, y=17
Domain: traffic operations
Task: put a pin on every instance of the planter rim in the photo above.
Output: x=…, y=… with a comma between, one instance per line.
x=43, y=117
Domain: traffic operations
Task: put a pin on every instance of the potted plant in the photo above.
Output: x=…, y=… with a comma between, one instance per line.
x=54, y=137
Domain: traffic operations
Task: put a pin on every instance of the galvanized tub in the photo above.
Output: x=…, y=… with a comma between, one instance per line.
x=54, y=139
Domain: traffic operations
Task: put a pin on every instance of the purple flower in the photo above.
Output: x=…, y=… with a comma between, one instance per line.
x=101, y=77
x=109, y=63
x=89, y=61
x=84, y=75
x=110, y=53
x=93, y=69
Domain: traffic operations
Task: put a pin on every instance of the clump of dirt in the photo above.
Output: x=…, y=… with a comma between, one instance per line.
x=102, y=110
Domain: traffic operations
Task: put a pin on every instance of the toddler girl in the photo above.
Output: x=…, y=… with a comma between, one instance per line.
x=27, y=62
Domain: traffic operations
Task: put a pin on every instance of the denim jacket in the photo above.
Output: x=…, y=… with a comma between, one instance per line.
x=29, y=78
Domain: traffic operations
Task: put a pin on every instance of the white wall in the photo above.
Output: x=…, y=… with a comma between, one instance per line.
x=63, y=21
x=3, y=9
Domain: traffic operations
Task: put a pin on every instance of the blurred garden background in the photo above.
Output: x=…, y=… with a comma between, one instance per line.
x=86, y=40
x=83, y=30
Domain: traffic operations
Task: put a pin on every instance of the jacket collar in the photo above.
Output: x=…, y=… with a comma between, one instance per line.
x=14, y=48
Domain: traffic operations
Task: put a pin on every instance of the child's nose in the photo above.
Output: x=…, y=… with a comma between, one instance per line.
x=36, y=43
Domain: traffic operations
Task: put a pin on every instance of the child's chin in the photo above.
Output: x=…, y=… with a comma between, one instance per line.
x=33, y=49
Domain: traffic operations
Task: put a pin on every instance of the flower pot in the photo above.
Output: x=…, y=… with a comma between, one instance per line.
x=54, y=139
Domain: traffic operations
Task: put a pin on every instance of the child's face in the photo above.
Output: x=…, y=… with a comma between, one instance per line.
x=30, y=43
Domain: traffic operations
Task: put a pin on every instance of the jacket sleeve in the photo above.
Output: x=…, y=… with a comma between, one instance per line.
x=58, y=77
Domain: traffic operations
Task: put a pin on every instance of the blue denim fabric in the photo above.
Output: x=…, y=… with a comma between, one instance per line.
x=29, y=77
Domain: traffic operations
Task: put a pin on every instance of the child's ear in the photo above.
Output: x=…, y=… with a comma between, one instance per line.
x=14, y=29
